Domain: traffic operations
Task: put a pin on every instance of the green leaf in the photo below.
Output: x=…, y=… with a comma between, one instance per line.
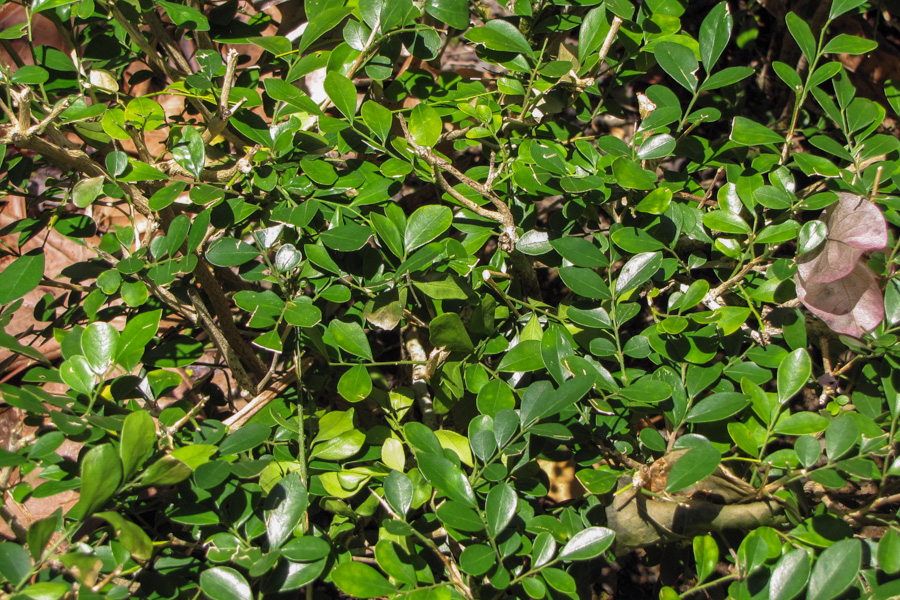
x=524, y=356
x=137, y=335
x=391, y=562
x=726, y=77
x=21, y=276
x=447, y=331
x=355, y=384
x=839, y=7
x=706, y=556
x=802, y=34
x=230, y=252
x=130, y=535
x=715, y=31
x=501, y=36
x=657, y=146
x=342, y=93
x=351, y=338
x=244, y=439
x=888, y=552
x=446, y=477
x=40, y=532
x=98, y=342
x=42, y=5
x=779, y=233
x=499, y=508
x=717, y=407
x=745, y=132
x=587, y=543
x=840, y=437
x=325, y=20
x=137, y=442
x=639, y=269
x=191, y=154
x=568, y=394
x=802, y=423
x=679, y=62
x=15, y=565
x=630, y=175
x=788, y=75
x=101, y=473
x=284, y=509
x=346, y=238
x=696, y=464
x=454, y=13
x=185, y=16
x=496, y=395
x=477, y=559
x=86, y=191
x=425, y=224
x=725, y=221
x=585, y=283
x=790, y=575
x=835, y=570
x=425, y=125
x=78, y=375
x=793, y=372
x=398, y=491
x=378, y=118
x=224, y=583
x=849, y=44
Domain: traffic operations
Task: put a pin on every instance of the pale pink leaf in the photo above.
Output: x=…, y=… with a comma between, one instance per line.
x=851, y=305
x=855, y=226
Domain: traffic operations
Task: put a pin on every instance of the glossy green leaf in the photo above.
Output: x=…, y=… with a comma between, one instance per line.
x=835, y=570
x=802, y=34
x=15, y=565
x=284, y=509
x=342, y=93
x=224, y=583
x=477, y=559
x=715, y=31
x=446, y=477
x=793, y=372
x=454, y=13
x=699, y=462
x=130, y=535
x=230, y=252
x=355, y=384
x=185, y=16
x=398, y=491
x=745, y=132
x=717, y=407
x=502, y=36
x=447, y=331
x=888, y=552
x=499, y=508
x=425, y=126
x=849, y=44
x=101, y=473
x=706, y=556
x=425, y=224
x=351, y=338
x=585, y=282
x=99, y=343
x=790, y=575
x=679, y=62
x=637, y=271
x=137, y=442
x=587, y=543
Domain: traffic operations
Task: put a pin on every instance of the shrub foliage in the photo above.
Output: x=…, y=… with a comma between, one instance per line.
x=349, y=281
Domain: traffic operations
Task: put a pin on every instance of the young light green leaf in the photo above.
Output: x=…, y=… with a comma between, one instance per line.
x=501, y=36
x=137, y=441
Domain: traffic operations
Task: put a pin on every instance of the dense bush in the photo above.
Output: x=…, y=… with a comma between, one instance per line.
x=345, y=283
